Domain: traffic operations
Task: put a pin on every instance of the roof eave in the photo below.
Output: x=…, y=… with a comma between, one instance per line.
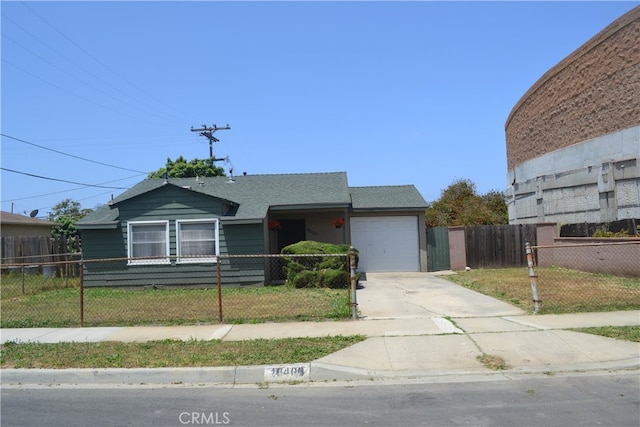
x=390, y=209
x=98, y=226
x=315, y=206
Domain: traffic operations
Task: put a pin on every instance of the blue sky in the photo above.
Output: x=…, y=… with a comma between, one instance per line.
x=97, y=94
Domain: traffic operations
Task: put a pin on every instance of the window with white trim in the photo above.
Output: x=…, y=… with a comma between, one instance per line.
x=148, y=242
x=197, y=240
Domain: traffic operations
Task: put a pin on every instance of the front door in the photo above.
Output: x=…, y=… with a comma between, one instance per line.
x=292, y=231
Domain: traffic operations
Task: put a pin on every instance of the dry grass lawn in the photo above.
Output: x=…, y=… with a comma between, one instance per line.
x=53, y=303
x=560, y=290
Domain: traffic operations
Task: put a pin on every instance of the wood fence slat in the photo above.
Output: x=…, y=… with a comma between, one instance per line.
x=498, y=246
x=35, y=249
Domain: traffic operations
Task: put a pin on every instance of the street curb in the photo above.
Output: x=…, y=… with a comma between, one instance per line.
x=263, y=375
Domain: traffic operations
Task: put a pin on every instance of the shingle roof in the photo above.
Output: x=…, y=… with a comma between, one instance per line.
x=254, y=194
x=11, y=218
x=397, y=197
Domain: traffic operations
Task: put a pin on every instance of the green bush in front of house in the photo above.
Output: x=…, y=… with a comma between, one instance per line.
x=303, y=279
x=334, y=279
x=317, y=271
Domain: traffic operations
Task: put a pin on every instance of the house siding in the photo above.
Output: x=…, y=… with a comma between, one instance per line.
x=244, y=207
x=172, y=203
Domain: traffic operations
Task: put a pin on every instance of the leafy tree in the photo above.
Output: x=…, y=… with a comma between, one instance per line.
x=183, y=169
x=459, y=204
x=66, y=213
x=494, y=202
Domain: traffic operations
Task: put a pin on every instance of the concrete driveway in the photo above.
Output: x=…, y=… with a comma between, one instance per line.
x=417, y=295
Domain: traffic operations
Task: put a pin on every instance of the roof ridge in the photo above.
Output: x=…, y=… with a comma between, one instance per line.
x=381, y=186
x=254, y=175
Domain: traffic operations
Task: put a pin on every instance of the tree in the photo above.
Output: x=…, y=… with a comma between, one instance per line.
x=66, y=213
x=183, y=169
x=494, y=202
x=459, y=204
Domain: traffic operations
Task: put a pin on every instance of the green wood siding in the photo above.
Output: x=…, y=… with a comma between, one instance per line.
x=172, y=203
x=98, y=244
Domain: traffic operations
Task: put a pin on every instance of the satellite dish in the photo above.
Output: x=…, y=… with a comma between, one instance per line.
x=33, y=213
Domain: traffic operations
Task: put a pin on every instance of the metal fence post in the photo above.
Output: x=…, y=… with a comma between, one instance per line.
x=354, y=280
x=532, y=278
x=66, y=269
x=81, y=293
x=219, y=274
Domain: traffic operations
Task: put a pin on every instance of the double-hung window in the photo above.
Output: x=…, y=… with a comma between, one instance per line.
x=148, y=242
x=197, y=240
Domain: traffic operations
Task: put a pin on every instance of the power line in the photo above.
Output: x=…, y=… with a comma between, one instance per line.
x=61, y=180
x=100, y=62
x=74, y=77
x=65, y=90
x=115, y=88
x=66, y=191
x=78, y=200
x=70, y=155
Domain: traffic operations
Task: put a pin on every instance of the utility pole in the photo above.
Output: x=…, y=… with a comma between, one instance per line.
x=208, y=132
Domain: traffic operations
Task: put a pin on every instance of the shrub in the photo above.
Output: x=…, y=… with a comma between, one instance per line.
x=334, y=279
x=603, y=231
x=305, y=279
x=316, y=271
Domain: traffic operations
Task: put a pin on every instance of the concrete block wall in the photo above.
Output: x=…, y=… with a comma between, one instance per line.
x=573, y=139
x=617, y=256
x=593, y=92
x=628, y=199
x=620, y=257
x=595, y=192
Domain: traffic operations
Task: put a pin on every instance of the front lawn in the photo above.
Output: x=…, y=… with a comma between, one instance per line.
x=59, y=306
x=171, y=353
x=560, y=290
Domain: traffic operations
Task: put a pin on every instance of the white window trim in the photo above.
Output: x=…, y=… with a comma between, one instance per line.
x=208, y=259
x=140, y=261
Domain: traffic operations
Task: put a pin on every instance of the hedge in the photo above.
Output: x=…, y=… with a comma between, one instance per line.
x=317, y=271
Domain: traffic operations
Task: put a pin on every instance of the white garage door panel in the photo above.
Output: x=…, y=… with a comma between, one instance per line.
x=386, y=243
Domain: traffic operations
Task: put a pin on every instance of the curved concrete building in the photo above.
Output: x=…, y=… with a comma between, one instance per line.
x=573, y=139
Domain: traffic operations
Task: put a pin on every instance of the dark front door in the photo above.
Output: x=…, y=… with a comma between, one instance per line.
x=292, y=231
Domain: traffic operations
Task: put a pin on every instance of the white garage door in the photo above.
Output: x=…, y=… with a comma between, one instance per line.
x=386, y=243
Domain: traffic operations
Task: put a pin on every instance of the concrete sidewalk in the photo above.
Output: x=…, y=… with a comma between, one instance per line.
x=394, y=349
x=417, y=326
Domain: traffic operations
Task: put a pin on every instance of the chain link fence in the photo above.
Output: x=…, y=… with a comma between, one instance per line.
x=585, y=277
x=120, y=292
x=40, y=294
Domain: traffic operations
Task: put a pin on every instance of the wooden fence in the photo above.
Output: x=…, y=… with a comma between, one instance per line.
x=487, y=246
x=498, y=246
x=36, y=249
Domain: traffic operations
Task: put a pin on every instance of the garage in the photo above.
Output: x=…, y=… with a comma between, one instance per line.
x=387, y=243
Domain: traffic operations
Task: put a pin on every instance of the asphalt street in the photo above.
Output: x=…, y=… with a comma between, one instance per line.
x=602, y=399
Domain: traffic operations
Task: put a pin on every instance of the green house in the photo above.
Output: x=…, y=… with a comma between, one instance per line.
x=173, y=232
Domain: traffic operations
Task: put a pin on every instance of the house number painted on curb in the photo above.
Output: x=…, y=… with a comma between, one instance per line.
x=286, y=373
